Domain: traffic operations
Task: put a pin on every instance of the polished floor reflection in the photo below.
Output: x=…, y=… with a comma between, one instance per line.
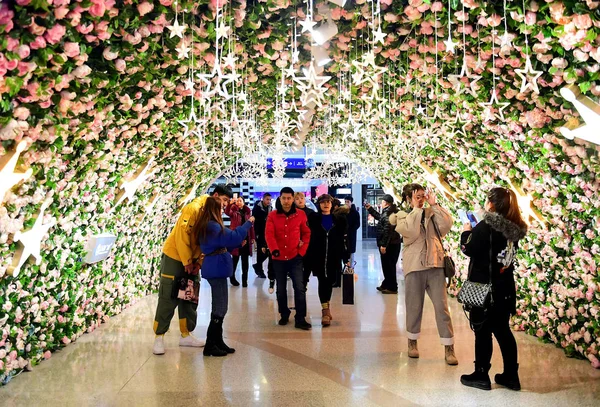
x=359, y=361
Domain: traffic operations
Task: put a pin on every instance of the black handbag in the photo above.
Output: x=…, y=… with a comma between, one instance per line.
x=348, y=285
x=449, y=266
x=477, y=296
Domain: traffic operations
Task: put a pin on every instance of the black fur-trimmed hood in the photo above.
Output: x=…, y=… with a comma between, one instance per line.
x=510, y=230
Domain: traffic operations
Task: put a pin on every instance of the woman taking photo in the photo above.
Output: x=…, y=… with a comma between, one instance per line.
x=239, y=213
x=388, y=242
x=215, y=241
x=494, y=240
x=423, y=265
x=328, y=246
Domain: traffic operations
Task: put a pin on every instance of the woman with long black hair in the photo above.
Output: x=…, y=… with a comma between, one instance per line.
x=494, y=240
x=216, y=242
x=328, y=247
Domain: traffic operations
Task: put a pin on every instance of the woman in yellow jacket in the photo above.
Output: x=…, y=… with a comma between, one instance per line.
x=423, y=265
x=181, y=256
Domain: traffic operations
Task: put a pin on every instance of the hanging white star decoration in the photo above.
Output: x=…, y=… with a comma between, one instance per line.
x=529, y=77
x=8, y=176
x=459, y=86
x=130, y=187
x=589, y=112
x=311, y=86
x=450, y=44
x=176, y=29
x=436, y=179
x=30, y=242
x=488, y=114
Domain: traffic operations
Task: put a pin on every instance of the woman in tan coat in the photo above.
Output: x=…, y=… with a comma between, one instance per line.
x=423, y=265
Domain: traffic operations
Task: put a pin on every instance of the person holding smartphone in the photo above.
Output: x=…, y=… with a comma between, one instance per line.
x=388, y=242
x=423, y=265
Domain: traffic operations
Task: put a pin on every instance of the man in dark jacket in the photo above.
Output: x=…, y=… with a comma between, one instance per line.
x=353, y=225
x=288, y=236
x=388, y=241
x=261, y=212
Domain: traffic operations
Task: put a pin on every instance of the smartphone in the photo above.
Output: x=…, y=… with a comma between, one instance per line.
x=235, y=195
x=467, y=216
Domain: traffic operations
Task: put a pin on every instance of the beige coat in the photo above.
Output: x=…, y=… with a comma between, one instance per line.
x=422, y=248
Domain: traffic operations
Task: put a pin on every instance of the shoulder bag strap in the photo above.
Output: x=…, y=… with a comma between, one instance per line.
x=439, y=235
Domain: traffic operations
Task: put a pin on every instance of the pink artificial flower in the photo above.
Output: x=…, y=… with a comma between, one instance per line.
x=21, y=113
x=71, y=49
x=85, y=29
x=38, y=43
x=530, y=18
x=218, y=3
x=65, y=340
x=98, y=8
x=55, y=34
x=23, y=51
x=12, y=44
x=336, y=13
x=391, y=17
x=437, y=6
x=120, y=65
x=582, y=21
x=6, y=17
x=412, y=13
x=166, y=3
x=47, y=355
x=23, y=2
x=494, y=20
x=61, y=12
x=144, y=8
x=557, y=10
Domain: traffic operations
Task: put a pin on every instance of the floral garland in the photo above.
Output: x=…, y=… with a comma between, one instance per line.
x=95, y=89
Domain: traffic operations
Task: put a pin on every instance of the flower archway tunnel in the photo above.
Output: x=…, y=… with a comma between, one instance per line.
x=114, y=113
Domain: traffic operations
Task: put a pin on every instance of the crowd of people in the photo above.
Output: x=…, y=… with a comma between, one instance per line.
x=298, y=242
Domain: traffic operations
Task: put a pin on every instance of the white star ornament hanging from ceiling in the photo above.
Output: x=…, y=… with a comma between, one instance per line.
x=529, y=77
x=8, y=177
x=488, y=106
x=311, y=86
x=176, y=29
x=589, y=112
x=30, y=242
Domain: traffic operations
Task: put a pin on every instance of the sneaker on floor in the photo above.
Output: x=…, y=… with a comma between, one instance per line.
x=191, y=341
x=303, y=325
x=159, y=345
x=271, y=286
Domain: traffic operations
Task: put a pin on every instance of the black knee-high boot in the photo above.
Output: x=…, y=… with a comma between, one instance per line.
x=212, y=343
x=219, y=336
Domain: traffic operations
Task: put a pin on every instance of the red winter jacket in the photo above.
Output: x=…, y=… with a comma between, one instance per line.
x=239, y=217
x=285, y=231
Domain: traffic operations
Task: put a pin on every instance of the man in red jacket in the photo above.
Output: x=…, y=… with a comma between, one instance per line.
x=287, y=236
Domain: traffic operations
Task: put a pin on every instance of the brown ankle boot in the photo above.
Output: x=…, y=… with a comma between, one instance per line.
x=450, y=356
x=326, y=319
x=413, y=351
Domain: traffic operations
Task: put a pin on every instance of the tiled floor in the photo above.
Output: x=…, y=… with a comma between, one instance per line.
x=359, y=361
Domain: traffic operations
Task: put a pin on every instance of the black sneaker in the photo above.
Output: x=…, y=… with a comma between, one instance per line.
x=284, y=320
x=303, y=325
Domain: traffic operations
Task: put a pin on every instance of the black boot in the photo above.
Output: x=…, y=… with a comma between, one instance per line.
x=510, y=378
x=245, y=278
x=219, y=335
x=211, y=348
x=233, y=280
x=479, y=379
x=258, y=271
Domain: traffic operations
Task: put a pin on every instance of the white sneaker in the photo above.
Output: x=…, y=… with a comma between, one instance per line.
x=159, y=345
x=192, y=341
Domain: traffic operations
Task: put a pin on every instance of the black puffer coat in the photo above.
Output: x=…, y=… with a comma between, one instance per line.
x=503, y=236
x=327, y=248
x=353, y=226
x=386, y=233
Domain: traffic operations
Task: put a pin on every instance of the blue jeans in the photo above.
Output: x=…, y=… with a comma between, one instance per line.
x=294, y=269
x=220, y=296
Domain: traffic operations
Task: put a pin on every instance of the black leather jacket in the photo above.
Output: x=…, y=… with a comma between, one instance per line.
x=386, y=233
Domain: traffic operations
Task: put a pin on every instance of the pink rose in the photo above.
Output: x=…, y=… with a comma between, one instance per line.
x=71, y=49
x=12, y=44
x=85, y=29
x=98, y=8
x=166, y=3
x=144, y=8
x=21, y=113
x=494, y=20
x=54, y=35
x=61, y=12
x=437, y=6
x=582, y=21
x=120, y=65
x=23, y=51
x=530, y=18
x=47, y=355
x=38, y=43
x=65, y=340
x=82, y=71
x=23, y=2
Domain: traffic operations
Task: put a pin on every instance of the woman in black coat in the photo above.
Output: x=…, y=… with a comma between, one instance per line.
x=353, y=225
x=327, y=247
x=493, y=242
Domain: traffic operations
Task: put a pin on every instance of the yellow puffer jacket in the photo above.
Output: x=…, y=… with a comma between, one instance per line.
x=182, y=243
